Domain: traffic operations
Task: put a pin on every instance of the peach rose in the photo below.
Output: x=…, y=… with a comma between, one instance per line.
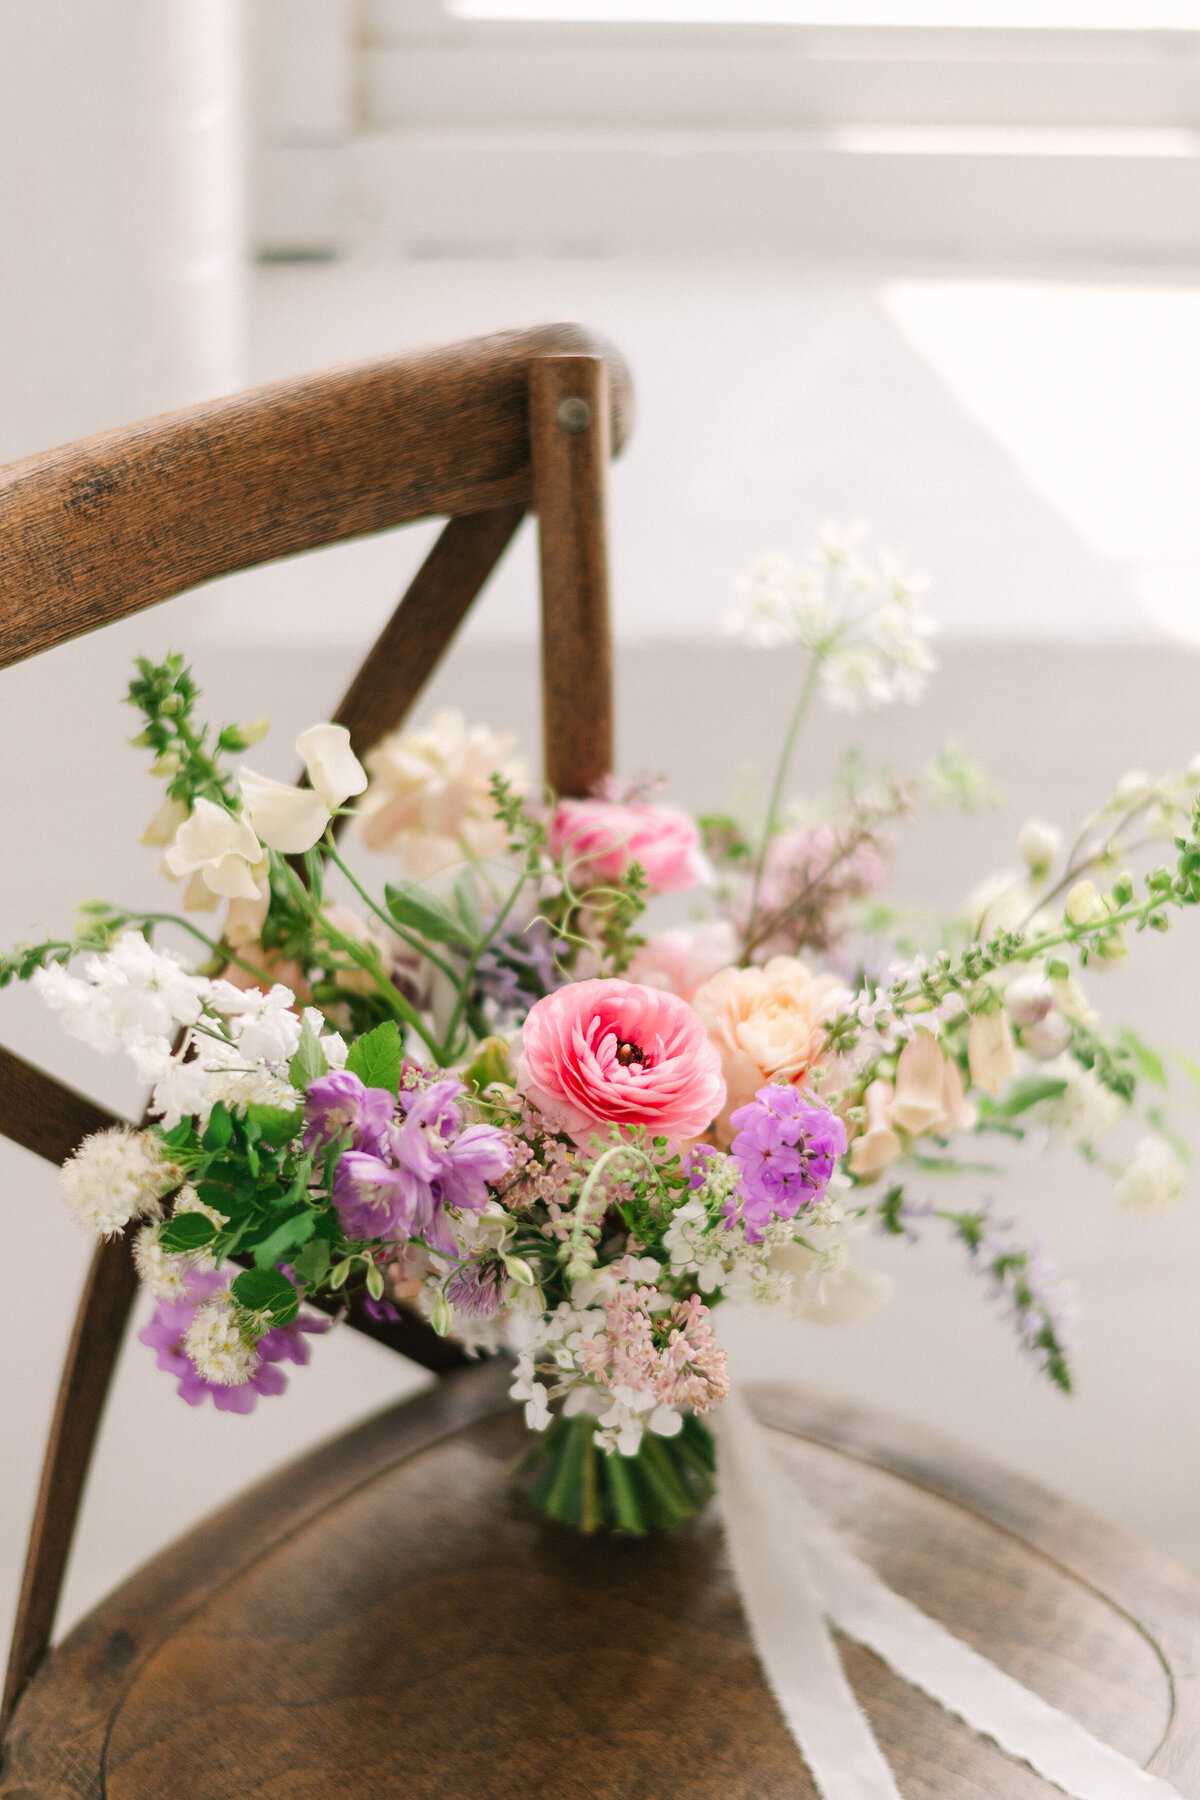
x=768, y=1024
x=602, y=1053
x=598, y=839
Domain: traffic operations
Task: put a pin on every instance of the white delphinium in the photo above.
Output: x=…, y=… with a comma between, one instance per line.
x=1085, y=1110
x=1154, y=1178
x=262, y=1025
x=216, y=1346
x=333, y=1046
x=150, y=992
x=115, y=1176
x=864, y=624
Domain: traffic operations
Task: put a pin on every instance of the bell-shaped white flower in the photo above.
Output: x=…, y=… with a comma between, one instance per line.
x=990, y=1052
x=920, y=1073
x=877, y=1145
x=291, y=819
x=219, y=849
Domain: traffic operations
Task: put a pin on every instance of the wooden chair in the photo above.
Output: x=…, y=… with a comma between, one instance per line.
x=384, y=1618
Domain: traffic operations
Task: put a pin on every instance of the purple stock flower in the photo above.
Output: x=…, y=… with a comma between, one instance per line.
x=337, y=1103
x=426, y=1163
x=168, y=1327
x=785, y=1150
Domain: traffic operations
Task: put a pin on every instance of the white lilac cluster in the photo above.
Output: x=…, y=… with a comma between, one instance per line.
x=196, y=1040
x=165, y=1273
x=215, y=1344
x=116, y=1176
x=864, y=623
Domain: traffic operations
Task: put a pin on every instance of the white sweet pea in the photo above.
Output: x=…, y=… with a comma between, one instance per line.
x=218, y=849
x=288, y=819
x=333, y=768
x=291, y=819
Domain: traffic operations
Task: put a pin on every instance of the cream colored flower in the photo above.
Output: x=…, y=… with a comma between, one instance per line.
x=290, y=819
x=768, y=1024
x=430, y=801
x=218, y=850
x=920, y=1079
x=990, y=1053
x=877, y=1145
x=958, y=1113
x=165, y=823
x=1153, y=1180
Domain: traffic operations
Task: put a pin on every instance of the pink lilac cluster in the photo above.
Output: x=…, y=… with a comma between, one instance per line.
x=786, y=1147
x=674, y=1357
x=168, y=1327
x=410, y=1159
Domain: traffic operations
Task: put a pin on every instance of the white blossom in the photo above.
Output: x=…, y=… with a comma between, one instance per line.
x=219, y=850
x=1085, y=1110
x=1154, y=1178
x=115, y=1176
x=693, y=1249
x=216, y=1346
x=290, y=819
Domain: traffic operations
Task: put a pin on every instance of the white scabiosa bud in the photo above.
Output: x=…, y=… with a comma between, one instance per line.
x=216, y=1346
x=1038, y=844
x=115, y=1176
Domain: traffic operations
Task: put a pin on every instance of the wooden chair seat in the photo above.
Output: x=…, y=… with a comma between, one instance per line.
x=387, y=1618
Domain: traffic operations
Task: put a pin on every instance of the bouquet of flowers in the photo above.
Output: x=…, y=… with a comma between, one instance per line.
x=491, y=1093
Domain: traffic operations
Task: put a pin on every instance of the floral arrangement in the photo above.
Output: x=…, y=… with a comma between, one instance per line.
x=487, y=1094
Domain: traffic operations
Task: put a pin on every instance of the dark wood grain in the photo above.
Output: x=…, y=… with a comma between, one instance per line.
x=569, y=428
x=103, y=528
x=421, y=629
x=100, y=1323
x=387, y=1619
x=42, y=1115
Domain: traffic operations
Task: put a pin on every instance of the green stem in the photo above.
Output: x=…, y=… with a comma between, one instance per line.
x=414, y=943
x=769, y=830
x=365, y=957
x=446, y=1053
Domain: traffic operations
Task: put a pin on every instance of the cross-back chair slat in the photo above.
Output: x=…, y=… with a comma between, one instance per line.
x=482, y=431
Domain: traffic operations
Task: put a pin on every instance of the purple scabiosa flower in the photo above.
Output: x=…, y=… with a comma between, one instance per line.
x=339, y=1102
x=785, y=1150
x=168, y=1327
x=477, y=1288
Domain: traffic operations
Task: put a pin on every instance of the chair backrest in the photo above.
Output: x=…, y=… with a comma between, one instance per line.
x=480, y=432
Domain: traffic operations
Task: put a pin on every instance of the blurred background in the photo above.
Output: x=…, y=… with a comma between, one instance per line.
x=934, y=266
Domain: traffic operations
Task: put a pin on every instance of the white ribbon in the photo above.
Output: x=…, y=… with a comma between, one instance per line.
x=797, y=1577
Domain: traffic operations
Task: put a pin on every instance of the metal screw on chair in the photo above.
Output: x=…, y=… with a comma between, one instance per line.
x=574, y=414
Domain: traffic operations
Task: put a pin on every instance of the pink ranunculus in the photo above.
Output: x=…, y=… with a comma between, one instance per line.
x=598, y=839
x=681, y=961
x=604, y=1053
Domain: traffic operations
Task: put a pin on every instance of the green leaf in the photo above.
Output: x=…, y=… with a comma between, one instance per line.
x=288, y=1236
x=1024, y=1094
x=427, y=917
x=187, y=1231
x=466, y=896
x=377, y=1057
x=276, y=1125
x=1148, y=1061
x=267, y=1291
x=220, y=1128
x=309, y=1061
x=312, y=1263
